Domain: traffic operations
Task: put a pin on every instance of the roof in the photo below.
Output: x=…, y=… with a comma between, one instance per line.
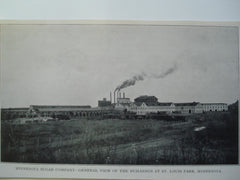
x=59, y=108
x=14, y=109
x=147, y=103
x=214, y=103
x=145, y=97
x=165, y=103
x=55, y=106
x=187, y=104
x=64, y=109
x=154, y=104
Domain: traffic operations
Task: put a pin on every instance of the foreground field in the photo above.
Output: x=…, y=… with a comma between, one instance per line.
x=115, y=141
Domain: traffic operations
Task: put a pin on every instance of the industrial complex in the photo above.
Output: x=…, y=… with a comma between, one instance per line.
x=116, y=106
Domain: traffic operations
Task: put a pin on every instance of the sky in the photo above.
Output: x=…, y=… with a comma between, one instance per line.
x=80, y=64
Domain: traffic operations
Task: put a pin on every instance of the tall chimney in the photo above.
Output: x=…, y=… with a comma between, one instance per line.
x=111, y=97
x=117, y=96
x=114, y=97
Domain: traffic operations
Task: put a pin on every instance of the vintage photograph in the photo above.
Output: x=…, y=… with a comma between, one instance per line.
x=122, y=94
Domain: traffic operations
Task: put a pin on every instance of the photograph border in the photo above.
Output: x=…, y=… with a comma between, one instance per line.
x=30, y=170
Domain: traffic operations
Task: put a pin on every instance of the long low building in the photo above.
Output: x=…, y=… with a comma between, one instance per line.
x=181, y=108
x=53, y=111
x=11, y=113
x=142, y=106
x=70, y=111
x=149, y=104
x=145, y=108
x=188, y=107
x=214, y=107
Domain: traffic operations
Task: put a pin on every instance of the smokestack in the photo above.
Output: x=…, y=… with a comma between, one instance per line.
x=117, y=96
x=111, y=97
x=114, y=97
x=123, y=94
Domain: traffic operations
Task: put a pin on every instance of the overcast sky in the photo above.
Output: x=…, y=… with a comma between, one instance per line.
x=80, y=64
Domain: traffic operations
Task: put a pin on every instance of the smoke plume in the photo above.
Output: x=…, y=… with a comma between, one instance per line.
x=140, y=77
x=131, y=82
x=164, y=74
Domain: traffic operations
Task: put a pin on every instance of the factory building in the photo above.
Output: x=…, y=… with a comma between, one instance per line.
x=180, y=108
x=142, y=105
x=66, y=111
x=196, y=107
x=123, y=106
x=11, y=113
x=149, y=104
x=188, y=108
x=104, y=103
x=122, y=102
x=214, y=107
x=146, y=108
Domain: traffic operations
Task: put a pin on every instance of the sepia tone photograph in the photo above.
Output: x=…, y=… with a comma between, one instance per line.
x=131, y=94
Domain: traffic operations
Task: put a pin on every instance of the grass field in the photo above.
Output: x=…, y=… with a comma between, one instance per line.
x=115, y=141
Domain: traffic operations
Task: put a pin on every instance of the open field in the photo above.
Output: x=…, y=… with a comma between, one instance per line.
x=115, y=141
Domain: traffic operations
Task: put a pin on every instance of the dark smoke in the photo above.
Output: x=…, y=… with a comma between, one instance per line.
x=164, y=74
x=131, y=82
x=141, y=77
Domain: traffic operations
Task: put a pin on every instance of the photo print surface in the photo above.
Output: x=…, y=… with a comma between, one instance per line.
x=129, y=94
